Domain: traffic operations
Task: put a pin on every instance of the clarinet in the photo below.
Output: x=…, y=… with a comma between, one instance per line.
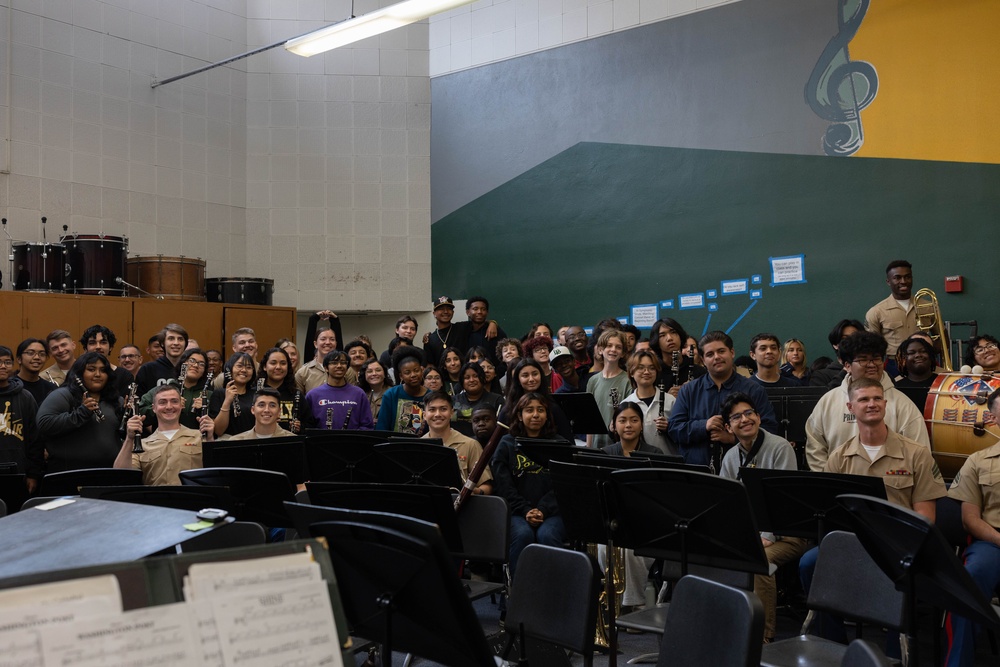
x=204, y=400
x=260, y=383
x=98, y=415
x=295, y=411
x=675, y=367
x=329, y=419
x=182, y=374
x=663, y=398
x=348, y=420
x=236, y=401
x=130, y=412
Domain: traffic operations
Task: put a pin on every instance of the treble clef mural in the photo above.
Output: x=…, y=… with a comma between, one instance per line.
x=839, y=88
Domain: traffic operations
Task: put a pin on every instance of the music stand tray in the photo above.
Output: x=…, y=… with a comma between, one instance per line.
x=582, y=411
x=341, y=459
x=804, y=504
x=283, y=455
x=419, y=463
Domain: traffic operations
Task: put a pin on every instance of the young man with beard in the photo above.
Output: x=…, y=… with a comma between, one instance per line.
x=164, y=369
x=576, y=341
x=18, y=439
x=31, y=357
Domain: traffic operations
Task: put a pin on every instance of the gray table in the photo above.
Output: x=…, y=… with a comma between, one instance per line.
x=89, y=532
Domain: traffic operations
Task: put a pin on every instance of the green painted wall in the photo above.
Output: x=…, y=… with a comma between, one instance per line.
x=601, y=226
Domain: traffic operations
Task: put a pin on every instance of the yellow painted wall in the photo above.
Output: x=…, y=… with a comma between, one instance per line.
x=938, y=64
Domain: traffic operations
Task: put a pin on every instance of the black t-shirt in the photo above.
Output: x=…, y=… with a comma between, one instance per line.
x=39, y=389
x=916, y=391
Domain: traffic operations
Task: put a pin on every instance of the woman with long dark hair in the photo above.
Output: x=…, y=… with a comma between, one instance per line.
x=374, y=380
x=78, y=422
x=276, y=371
x=230, y=409
x=451, y=364
x=473, y=395
x=665, y=338
x=527, y=377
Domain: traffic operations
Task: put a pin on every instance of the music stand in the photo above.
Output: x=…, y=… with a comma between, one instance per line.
x=689, y=517
x=792, y=407
x=402, y=591
x=804, y=504
x=397, y=439
x=544, y=451
x=669, y=460
x=582, y=411
x=285, y=455
x=257, y=494
x=594, y=457
x=433, y=504
x=193, y=498
x=13, y=492
x=338, y=456
x=8, y=468
x=916, y=557
x=419, y=463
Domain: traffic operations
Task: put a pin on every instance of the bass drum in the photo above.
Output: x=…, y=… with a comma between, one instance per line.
x=179, y=278
x=38, y=267
x=955, y=412
x=96, y=263
x=250, y=291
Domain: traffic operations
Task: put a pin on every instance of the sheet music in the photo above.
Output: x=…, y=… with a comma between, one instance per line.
x=281, y=627
x=58, y=592
x=22, y=627
x=206, y=580
x=150, y=637
x=207, y=633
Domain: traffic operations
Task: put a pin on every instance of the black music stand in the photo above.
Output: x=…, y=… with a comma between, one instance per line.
x=668, y=460
x=397, y=439
x=193, y=498
x=582, y=411
x=13, y=492
x=339, y=456
x=419, y=463
x=792, y=407
x=8, y=468
x=595, y=457
x=804, y=504
x=258, y=495
x=433, y=504
x=285, y=455
x=690, y=517
x=400, y=588
x=544, y=451
x=918, y=559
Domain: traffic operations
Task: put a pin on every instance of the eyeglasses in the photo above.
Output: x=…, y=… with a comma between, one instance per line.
x=34, y=353
x=338, y=362
x=199, y=364
x=984, y=348
x=7, y=363
x=740, y=416
x=120, y=356
x=866, y=361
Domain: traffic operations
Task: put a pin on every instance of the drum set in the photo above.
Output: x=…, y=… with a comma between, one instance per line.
x=97, y=264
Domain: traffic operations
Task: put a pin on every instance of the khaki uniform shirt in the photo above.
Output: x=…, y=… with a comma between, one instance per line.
x=251, y=435
x=312, y=375
x=907, y=468
x=978, y=482
x=164, y=459
x=54, y=374
x=468, y=451
x=888, y=319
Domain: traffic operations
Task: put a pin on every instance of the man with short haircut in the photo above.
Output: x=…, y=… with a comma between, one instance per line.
x=99, y=338
x=130, y=358
x=756, y=448
x=562, y=363
x=358, y=352
x=266, y=411
x=695, y=423
x=977, y=487
x=31, y=357
x=314, y=373
x=481, y=329
x=438, y=411
x=834, y=374
x=154, y=346
x=336, y=404
x=561, y=336
x=406, y=331
x=245, y=340
x=894, y=318
x=632, y=337
x=576, y=341
x=484, y=422
x=62, y=349
x=445, y=335
x=765, y=350
x=18, y=435
x=164, y=369
x=171, y=448
x=832, y=423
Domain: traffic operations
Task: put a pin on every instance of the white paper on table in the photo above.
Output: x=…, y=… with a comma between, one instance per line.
x=206, y=580
x=22, y=627
x=153, y=636
x=292, y=625
x=58, y=592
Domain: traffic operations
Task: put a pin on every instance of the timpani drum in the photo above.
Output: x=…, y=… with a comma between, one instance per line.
x=96, y=263
x=252, y=291
x=180, y=278
x=38, y=267
x=955, y=414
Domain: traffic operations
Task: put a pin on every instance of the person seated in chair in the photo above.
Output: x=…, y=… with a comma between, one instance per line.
x=266, y=410
x=438, y=413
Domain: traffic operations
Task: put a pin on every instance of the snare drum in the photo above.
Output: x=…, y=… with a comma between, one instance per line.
x=181, y=278
x=96, y=263
x=38, y=267
x=253, y=291
x=955, y=412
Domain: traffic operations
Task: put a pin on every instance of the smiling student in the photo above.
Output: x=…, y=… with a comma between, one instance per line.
x=266, y=413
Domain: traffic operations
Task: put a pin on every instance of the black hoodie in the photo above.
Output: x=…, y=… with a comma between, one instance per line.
x=18, y=435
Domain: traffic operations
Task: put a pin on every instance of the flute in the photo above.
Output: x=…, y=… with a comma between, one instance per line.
x=98, y=415
x=236, y=401
x=295, y=411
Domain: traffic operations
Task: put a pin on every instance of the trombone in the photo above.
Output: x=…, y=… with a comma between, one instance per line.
x=930, y=322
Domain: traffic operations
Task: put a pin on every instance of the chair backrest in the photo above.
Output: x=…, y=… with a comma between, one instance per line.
x=3, y=509
x=236, y=534
x=861, y=653
x=257, y=494
x=68, y=482
x=849, y=583
x=180, y=497
x=554, y=597
x=709, y=623
x=38, y=500
x=484, y=523
x=948, y=519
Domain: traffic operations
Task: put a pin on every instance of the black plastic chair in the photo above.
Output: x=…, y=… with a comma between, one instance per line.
x=709, y=623
x=258, y=495
x=192, y=498
x=484, y=524
x=13, y=491
x=68, y=482
x=554, y=599
x=236, y=534
x=861, y=653
x=849, y=584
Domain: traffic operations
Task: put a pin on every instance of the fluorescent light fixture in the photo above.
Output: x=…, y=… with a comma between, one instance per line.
x=369, y=25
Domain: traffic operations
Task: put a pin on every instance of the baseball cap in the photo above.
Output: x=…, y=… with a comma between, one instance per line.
x=559, y=351
x=443, y=302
